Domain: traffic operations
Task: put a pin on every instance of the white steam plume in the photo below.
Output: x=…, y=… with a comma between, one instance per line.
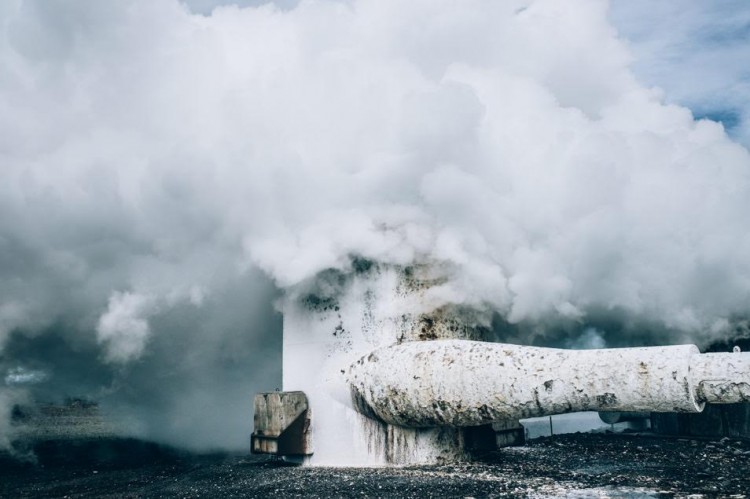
x=153, y=160
x=124, y=327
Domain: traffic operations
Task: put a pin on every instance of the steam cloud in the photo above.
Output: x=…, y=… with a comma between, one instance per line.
x=166, y=175
x=695, y=50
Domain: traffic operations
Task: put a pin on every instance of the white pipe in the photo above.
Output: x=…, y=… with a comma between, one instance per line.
x=722, y=378
x=466, y=383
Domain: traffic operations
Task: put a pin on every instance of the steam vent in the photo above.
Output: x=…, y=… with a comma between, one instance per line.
x=374, y=375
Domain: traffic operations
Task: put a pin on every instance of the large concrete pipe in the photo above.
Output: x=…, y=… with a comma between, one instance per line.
x=326, y=331
x=414, y=399
x=461, y=383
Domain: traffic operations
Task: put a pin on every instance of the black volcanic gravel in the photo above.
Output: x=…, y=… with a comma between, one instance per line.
x=579, y=465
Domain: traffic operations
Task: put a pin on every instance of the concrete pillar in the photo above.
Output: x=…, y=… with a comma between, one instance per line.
x=330, y=325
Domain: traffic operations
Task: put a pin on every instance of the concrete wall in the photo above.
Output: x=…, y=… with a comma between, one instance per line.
x=334, y=322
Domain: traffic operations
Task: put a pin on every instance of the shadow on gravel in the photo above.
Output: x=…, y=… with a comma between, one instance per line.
x=573, y=465
x=109, y=453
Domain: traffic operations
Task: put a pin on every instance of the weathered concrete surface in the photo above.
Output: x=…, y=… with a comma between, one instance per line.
x=722, y=378
x=338, y=318
x=282, y=424
x=465, y=383
x=342, y=317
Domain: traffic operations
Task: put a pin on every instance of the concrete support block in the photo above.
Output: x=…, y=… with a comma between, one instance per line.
x=282, y=424
x=508, y=433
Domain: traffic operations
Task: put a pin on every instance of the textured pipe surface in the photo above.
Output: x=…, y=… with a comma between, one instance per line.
x=334, y=323
x=467, y=383
x=722, y=378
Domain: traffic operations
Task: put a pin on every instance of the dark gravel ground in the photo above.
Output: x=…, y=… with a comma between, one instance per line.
x=590, y=465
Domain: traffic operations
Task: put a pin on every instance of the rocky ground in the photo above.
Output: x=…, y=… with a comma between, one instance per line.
x=578, y=465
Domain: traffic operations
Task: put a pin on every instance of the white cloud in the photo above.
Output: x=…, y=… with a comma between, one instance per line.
x=696, y=51
x=151, y=150
x=124, y=328
x=173, y=141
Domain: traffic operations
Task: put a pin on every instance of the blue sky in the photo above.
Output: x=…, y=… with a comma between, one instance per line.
x=697, y=52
